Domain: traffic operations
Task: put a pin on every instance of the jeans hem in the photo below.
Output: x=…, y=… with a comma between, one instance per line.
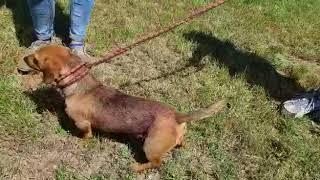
x=44, y=37
x=76, y=38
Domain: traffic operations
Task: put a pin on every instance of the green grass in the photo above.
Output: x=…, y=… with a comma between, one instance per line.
x=16, y=111
x=253, y=53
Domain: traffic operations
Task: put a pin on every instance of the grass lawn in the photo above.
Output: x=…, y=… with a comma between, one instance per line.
x=253, y=53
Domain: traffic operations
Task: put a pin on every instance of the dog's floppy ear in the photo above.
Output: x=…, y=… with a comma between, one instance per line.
x=41, y=64
x=51, y=71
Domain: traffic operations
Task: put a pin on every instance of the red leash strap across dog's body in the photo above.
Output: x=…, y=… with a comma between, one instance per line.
x=71, y=72
x=198, y=12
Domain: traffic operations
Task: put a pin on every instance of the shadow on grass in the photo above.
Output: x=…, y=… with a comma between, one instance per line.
x=23, y=23
x=257, y=70
x=49, y=99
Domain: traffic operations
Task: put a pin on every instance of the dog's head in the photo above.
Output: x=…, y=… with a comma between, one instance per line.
x=53, y=61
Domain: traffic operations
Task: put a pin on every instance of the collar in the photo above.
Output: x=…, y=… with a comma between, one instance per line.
x=72, y=76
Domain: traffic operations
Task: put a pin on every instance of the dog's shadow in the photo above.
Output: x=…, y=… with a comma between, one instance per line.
x=49, y=99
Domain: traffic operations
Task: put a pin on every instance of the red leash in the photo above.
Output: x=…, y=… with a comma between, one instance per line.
x=198, y=12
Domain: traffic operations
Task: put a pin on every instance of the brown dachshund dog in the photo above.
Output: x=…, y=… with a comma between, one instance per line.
x=92, y=105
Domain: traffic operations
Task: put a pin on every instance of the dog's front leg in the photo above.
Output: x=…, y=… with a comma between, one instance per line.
x=80, y=121
x=85, y=127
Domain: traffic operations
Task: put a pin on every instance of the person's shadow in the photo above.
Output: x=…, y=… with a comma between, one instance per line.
x=257, y=70
x=23, y=23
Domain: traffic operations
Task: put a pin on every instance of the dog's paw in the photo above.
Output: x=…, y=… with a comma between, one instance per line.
x=87, y=135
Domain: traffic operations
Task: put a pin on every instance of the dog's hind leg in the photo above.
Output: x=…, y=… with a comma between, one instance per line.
x=181, y=130
x=161, y=139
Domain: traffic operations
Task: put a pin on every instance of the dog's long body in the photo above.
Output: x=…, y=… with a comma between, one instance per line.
x=92, y=105
x=113, y=111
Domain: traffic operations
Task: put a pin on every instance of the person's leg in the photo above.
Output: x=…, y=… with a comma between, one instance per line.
x=42, y=14
x=80, y=12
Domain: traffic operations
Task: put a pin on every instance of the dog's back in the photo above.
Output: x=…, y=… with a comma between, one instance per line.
x=118, y=112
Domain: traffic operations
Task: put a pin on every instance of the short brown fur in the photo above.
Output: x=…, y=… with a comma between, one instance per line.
x=94, y=106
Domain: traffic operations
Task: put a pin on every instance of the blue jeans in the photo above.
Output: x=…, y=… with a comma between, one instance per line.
x=43, y=11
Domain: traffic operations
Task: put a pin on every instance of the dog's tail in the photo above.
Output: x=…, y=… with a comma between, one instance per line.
x=201, y=113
